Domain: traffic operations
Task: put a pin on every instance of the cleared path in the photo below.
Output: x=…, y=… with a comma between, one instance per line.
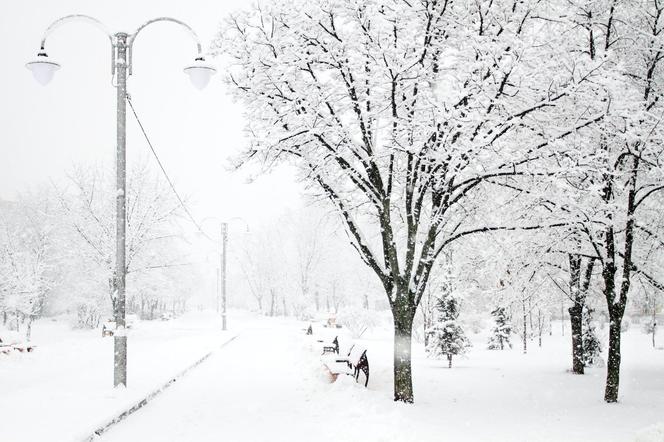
x=252, y=390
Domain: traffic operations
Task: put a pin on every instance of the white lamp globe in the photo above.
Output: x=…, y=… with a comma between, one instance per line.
x=42, y=68
x=200, y=73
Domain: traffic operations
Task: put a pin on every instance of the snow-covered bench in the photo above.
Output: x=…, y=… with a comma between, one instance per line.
x=330, y=347
x=8, y=345
x=107, y=328
x=355, y=363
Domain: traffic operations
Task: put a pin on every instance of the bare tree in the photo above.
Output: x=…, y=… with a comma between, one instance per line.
x=151, y=234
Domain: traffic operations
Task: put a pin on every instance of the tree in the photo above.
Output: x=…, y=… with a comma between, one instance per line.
x=579, y=284
x=592, y=348
x=614, y=175
x=87, y=208
x=500, y=334
x=27, y=258
x=399, y=113
x=265, y=269
x=446, y=336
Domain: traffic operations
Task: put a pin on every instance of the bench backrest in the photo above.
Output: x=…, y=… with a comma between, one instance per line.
x=355, y=354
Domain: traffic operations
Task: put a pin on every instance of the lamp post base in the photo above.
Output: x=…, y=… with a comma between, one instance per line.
x=120, y=361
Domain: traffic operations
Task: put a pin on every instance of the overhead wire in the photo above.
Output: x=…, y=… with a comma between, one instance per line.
x=161, y=166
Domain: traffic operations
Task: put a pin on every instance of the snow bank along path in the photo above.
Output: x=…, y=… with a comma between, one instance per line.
x=137, y=406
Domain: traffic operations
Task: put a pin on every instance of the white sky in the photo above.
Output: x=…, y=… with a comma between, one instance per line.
x=45, y=130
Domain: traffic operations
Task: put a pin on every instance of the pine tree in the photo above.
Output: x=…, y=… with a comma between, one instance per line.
x=446, y=336
x=500, y=334
x=591, y=345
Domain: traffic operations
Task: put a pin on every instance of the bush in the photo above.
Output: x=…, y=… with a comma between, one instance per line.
x=648, y=327
x=357, y=320
x=624, y=326
x=87, y=316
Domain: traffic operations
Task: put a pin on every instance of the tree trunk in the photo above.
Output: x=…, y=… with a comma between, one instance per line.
x=578, y=291
x=540, y=327
x=576, y=312
x=613, y=364
x=449, y=361
x=273, y=299
x=530, y=318
x=654, y=318
x=403, y=379
x=562, y=316
x=28, y=331
x=525, y=323
x=576, y=322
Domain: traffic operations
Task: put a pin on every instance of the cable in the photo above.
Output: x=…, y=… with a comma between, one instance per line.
x=161, y=166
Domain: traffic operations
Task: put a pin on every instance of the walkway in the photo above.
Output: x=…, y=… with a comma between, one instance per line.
x=257, y=388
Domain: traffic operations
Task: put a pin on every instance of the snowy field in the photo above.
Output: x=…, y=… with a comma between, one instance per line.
x=268, y=384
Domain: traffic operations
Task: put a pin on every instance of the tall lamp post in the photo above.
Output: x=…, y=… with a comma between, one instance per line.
x=43, y=69
x=224, y=242
x=223, y=258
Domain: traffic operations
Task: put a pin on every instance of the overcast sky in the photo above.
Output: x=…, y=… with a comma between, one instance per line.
x=46, y=130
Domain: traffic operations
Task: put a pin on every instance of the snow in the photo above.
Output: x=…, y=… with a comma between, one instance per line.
x=276, y=389
x=66, y=384
x=269, y=384
x=654, y=433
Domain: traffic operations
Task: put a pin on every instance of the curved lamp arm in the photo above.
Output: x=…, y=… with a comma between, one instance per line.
x=85, y=18
x=74, y=17
x=192, y=33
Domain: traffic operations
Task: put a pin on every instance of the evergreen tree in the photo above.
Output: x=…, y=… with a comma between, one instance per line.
x=591, y=345
x=500, y=334
x=446, y=336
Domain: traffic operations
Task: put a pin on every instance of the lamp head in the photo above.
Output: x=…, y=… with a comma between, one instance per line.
x=42, y=68
x=200, y=73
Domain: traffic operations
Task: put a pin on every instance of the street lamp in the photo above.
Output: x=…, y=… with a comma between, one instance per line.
x=223, y=258
x=43, y=69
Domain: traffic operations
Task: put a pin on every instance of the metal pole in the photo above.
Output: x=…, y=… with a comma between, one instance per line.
x=120, y=337
x=224, y=240
x=217, y=291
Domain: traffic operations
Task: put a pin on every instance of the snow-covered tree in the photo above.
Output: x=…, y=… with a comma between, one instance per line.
x=502, y=329
x=27, y=258
x=400, y=114
x=446, y=336
x=610, y=182
x=153, y=238
x=592, y=348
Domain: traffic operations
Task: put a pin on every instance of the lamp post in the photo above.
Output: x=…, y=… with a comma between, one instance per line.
x=43, y=69
x=223, y=243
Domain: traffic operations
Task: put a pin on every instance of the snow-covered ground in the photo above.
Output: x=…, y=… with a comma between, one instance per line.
x=64, y=389
x=268, y=384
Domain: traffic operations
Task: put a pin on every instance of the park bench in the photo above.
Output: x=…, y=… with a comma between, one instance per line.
x=330, y=347
x=353, y=364
x=107, y=328
x=21, y=347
